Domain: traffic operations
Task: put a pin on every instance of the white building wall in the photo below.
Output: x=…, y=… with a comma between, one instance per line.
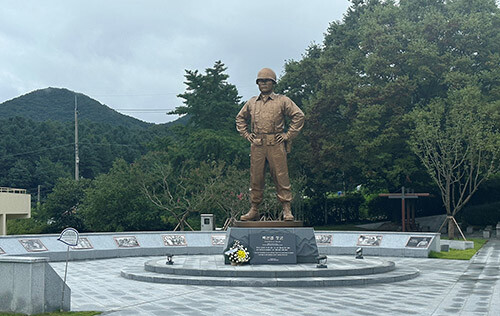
x=14, y=203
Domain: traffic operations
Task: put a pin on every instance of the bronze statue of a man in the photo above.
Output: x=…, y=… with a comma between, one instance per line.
x=267, y=113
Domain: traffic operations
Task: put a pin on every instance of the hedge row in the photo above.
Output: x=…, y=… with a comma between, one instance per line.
x=480, y=215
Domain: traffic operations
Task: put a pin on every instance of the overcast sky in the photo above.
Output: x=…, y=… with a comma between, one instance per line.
x=131, y=55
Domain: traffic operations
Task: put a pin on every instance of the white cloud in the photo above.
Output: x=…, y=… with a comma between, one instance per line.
x=132, y=54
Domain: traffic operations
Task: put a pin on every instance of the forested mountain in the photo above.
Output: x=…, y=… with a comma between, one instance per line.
x=57, y=104
x=38, y=153
x=118, y=162
x=37, y=138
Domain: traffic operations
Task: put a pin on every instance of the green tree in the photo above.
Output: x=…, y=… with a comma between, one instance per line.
x=182, y=193
x=458, y=144
x=210, y=101
x=38, y=153
x=384, y=59
x=231, y=195
x=62, y=207
x=20, y=175
x=47, y=173
x=208, y=145
x=115, y=202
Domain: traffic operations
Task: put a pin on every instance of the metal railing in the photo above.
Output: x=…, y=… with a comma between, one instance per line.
x=12, y=190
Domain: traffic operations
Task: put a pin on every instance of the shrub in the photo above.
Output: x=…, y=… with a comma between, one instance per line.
x=26, y=226
x=480, y=215
x=339, y=209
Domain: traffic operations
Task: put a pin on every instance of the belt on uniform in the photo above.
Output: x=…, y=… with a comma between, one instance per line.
x=274, y=133
x=266, y=138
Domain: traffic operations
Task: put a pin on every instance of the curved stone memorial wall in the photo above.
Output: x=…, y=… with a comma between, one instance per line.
x=127, y=244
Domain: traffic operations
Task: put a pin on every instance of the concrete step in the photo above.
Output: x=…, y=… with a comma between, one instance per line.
x=214, y=266
x=211, y=270
x=139, y=274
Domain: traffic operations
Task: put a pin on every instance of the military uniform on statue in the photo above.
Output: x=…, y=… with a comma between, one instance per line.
x=262, y=122
x=269, y=141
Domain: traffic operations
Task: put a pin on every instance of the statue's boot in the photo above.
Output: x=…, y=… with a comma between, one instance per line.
x=287, y=212
x=252, y=215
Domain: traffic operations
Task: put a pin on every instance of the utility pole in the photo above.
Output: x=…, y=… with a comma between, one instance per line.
x=38, y=199
x=77, y=159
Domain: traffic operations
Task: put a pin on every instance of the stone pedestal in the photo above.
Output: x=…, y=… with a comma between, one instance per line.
x=275, y=245
x=271, y=224
x=31, y=286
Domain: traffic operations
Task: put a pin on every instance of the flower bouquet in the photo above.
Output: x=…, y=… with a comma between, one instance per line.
x=237, y=254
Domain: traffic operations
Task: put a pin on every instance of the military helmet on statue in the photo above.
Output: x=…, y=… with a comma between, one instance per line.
x=266, y=73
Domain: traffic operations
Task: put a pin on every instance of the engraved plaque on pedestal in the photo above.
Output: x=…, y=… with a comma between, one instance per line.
x=304, y=242
x=273, y=247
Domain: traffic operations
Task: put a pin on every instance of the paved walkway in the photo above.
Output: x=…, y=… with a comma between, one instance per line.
x=445, y=287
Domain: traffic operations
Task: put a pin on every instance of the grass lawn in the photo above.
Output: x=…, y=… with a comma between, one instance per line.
x=55, y=314
x=460, y=254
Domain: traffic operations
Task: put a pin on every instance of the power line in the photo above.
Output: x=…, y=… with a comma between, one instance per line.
x=37, y=151
x=145, y=110
x=135, y=94
x=158, y=109
x=111, y=144
x=65, y=145
x=150, y=94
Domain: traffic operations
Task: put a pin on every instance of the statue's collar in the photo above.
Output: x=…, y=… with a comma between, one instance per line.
x=271, y=96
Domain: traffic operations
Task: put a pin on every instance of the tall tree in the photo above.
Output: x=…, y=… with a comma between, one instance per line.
x=211, y=104
x=458, y=144
x=62, y=207
x=384, y=59
x=210, y=100
x=182, y=193
x=114, y=202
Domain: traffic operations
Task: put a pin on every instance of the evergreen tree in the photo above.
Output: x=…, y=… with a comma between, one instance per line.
x=210, y=101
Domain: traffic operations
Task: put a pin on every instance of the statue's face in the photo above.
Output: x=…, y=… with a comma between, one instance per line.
x=265, y=85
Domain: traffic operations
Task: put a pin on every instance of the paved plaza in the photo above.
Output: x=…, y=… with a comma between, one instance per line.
x=444, y=287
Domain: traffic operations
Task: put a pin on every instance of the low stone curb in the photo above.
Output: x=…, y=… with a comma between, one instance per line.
x=400, y=274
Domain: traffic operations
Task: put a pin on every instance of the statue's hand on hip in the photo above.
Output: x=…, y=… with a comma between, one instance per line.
x=281, y=138
x=251, y=137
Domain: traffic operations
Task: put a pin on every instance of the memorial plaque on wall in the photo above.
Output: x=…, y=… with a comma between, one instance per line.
x=369, y=240
x=273, y=248
x=174, y=240
x=324, y=239
x=33, y=245
x=83, y=243
x=126, y=242
x=218, y=240
x=418, y=242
